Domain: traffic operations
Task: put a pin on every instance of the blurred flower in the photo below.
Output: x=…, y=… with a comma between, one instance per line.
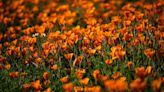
x=156, y=84
x=38, y=60
x=116, y=85
x=47, y=82
x=108, y=61
x=117, y=52
x=96, y=74
x=79, y=73
x=68, y=87
x=149, y=52
x=110, y=85
x=40, y=29
x=64, y=79
x=26, y=86
x=148, y=70
x=54, y=67
x=140, y=72
x=116, y=75
x=54, y=35
x=129, y=64
x=45, y=75
x=104, y=78
x=92, y=89
x=138, y=85
x=7, y=66
x=84, y=81
x=91, y=51
x=127, y=37
x=48, y=90
x=35, y=54
x=122, y=86
x=36, y=85
x=68, y=56
x=78, y=60
x=14, y=74
x=140, y=27
x=78, y=89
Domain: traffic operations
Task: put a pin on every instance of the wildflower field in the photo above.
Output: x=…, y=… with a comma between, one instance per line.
x=81, y=45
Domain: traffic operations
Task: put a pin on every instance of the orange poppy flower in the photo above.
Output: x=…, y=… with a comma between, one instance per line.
x=116, y=85
x=47, y=82
x=104, y=78
x=116, y=75
x=116, y=19
x=98, y=48
x=92, y=89
x=68, y=87
x=54, y=67
x=36, y=85
x=138, y=85
x=97, y=89
x=129, y=64
x=79, y=73
x=46, y=45
x=91, y=51
x=123, y=30
x=45, y=75
x=86, y=41
x=78, y=89
x=14, y=74
x=62, y=8
x=48, y=90
x=54, y=35
x=134, y=42
x=26, y=86
x=40, y=29
x=148, y=70
x=31, y=41
x=122, y=79
x=110, y=85
x=70, y=21
x=149, y=52
x=1, y=36
x=68, y=56
x=126, y=23
x=64, y=45
x=84, y=81
x=78, y=60
x=7, y=66
x=138, y=15
x=117, y=52
x=38, y=60
x=140, y=28
x=156, y=84
x=64, y=79
x=96, y=74
x=17, y=51
x=15, y=42
x=127, y=37
x=91, y=21
x=108, y=61
x=140, y=72
x=35, y=54
x=31, y=48
x=121, y=86
x=70, y=42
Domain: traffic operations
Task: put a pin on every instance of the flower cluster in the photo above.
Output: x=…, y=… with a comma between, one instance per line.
x=81, y=45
